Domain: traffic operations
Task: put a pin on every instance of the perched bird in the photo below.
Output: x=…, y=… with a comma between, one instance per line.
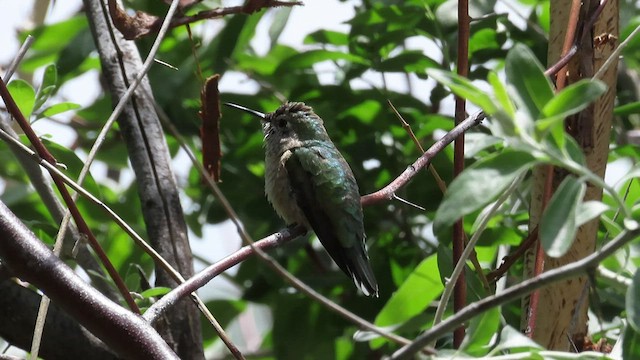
x=309, y=183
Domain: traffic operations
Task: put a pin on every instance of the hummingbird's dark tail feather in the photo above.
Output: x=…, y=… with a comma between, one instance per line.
x=358, y=266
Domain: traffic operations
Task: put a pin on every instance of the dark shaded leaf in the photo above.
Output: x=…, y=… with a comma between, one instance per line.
x=558, y=225
x=480, y=184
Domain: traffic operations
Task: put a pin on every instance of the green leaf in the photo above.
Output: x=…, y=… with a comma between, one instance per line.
x=630, y=343
x=627, y=109
x=309, y=58
x=58, y=108
x=574, y=98
x=589, y=210
x=24, y=96
x=512, y=340
x=155, y=292
x=480, y=184
x=50, y=76
x=415, y=294
x=474, y=142
x=532, y=89
x=366, y=111
x=633, y=302
x=48, y=86
x=407, y=62
x=558, y=225
x=463, y=87
x=75, y=54
x=477, y=339
x=501, y=94
x=50, y=40
x=280, y=19
x=327, y=37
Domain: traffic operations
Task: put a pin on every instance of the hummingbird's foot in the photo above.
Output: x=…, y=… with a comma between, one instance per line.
x=295, y=227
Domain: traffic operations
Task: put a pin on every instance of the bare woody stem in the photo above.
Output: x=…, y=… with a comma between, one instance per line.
x=387, y=193
x=42, y=151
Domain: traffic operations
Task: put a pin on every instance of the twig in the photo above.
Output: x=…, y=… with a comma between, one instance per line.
x=443, y=188
x=386, y=193
x=156, y=310
x=42, y=313
x=18, y=58
x=31, y=260
x=119, y=221
x=568, y=55
x=517, y=291
x=460, y=265
x=510, y=259
x=100, y=139
x=142, y=24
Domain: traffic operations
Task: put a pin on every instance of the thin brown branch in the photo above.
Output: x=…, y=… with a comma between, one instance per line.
x=561, y=82
x=386, y=193
x=510, y=259
x=203, y=277
x=443, y=188
x=159, y=260
x=143, y=24
x=42, y=151
x=458, y=236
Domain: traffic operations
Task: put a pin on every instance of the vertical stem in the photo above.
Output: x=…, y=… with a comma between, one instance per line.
x=460, y=293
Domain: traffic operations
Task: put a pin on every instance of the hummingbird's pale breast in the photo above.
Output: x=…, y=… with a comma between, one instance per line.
x=278, y=189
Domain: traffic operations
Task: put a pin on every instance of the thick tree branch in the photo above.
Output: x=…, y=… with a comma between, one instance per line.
x=150, y=160
x=30, y=260
x=64, y=337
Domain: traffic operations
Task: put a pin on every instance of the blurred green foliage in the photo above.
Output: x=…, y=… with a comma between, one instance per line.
x=406, y=257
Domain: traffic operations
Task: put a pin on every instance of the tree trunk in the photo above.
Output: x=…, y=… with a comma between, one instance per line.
x=561, y=321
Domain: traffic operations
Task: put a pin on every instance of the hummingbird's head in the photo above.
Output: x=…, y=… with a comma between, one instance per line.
x=290, y=124
x=293, y=121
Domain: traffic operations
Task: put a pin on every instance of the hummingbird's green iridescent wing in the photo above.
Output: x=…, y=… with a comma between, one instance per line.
x=326, y=191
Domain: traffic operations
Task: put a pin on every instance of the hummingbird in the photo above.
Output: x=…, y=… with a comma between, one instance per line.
x=308, y=182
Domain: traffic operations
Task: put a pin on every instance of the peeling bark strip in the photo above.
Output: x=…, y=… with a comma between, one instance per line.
x=564, y=311
x=150, y=160
x=210, y=130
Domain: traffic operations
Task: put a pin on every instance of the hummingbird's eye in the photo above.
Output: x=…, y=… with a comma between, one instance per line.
x=281, y=123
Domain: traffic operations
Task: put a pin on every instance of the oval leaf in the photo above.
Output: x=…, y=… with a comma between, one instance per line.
x=633, y=302
x=464, y=88
x=630, y=343
x=24, y=96
x=481, y=330
x=58, y=108
x=480, y=184
x=574, y=98
x=420, y=288
x=559, y=225
x=589, y=210
x=525, y=73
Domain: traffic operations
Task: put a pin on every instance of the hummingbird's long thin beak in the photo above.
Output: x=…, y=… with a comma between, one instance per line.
x=250, y=111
